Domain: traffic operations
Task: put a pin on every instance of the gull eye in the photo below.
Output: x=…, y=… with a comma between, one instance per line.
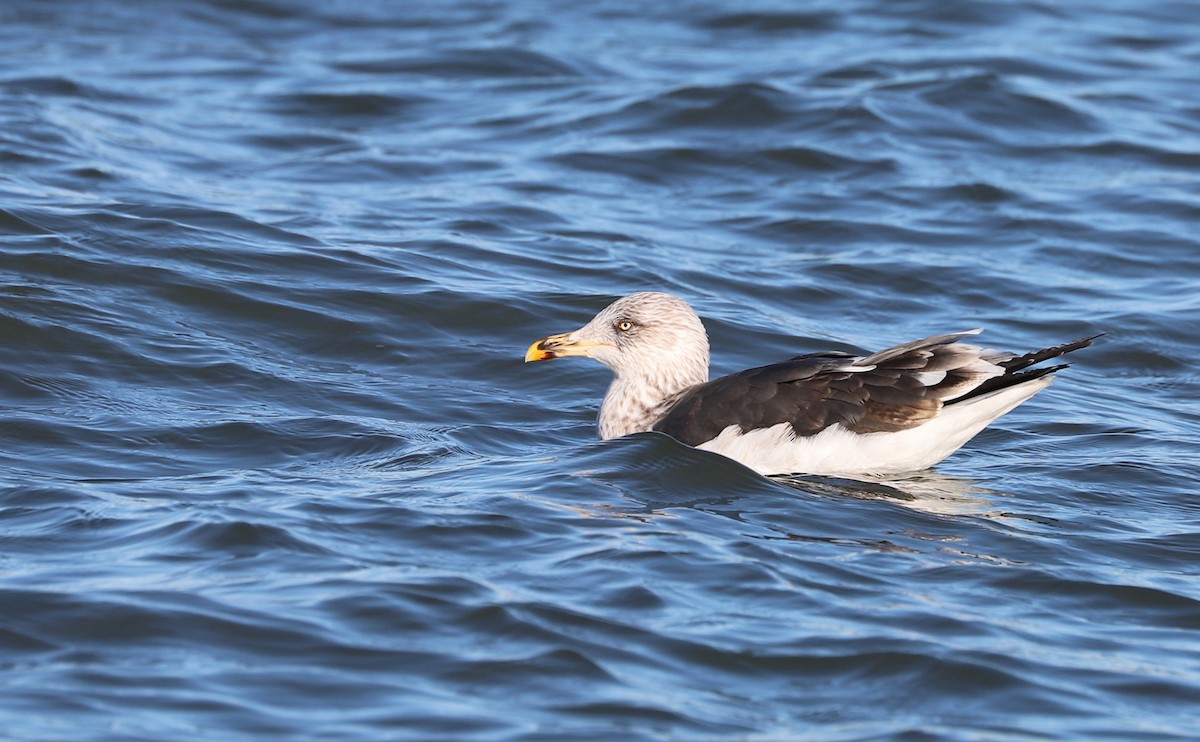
x=624, y=325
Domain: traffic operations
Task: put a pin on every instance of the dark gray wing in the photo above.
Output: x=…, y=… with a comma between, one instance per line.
x=894, y=389
x=805, y=391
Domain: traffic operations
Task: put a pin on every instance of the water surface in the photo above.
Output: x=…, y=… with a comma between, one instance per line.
x=271, y=467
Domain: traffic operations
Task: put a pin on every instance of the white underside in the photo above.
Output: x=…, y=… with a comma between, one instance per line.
x=837, y=451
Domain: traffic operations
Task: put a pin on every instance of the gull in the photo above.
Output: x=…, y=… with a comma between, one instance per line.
x=902, y=409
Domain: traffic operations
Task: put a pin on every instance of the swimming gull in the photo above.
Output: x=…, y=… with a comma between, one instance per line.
x=902, y=409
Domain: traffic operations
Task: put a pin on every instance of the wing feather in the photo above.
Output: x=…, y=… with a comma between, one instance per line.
x=895, y=389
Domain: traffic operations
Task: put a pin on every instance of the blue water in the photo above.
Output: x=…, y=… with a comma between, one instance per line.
x=271, y=466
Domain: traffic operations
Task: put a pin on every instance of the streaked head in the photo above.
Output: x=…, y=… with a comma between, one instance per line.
x=648, y=333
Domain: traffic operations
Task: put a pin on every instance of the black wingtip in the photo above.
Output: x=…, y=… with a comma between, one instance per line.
x=1015, y=368
x=1037, y=356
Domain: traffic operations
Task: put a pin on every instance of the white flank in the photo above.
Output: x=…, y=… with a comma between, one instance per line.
x=837, y=451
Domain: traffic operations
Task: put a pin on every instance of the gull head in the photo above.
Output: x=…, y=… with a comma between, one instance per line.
x=648, y=335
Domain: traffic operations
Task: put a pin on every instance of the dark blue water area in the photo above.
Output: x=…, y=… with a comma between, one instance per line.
x=271, y=466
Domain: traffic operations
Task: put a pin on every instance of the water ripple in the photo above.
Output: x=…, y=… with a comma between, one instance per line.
x=271, y=465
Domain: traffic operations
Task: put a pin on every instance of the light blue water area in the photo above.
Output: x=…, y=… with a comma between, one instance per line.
x=271, y=466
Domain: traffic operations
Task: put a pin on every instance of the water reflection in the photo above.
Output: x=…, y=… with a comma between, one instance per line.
x=929, y=491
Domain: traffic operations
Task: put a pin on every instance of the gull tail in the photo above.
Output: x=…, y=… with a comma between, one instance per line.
x=1017, y=369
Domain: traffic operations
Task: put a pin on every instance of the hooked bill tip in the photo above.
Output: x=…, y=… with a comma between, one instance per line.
x=538, y=352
